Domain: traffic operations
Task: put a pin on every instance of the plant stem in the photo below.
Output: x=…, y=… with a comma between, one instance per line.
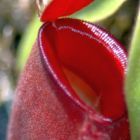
x=133, y=82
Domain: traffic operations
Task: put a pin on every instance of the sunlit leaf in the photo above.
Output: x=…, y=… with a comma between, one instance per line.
x=99, y=10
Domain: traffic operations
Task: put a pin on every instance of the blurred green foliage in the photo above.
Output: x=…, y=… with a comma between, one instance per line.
x=27, y=42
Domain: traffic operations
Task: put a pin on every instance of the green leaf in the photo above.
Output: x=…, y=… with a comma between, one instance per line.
x=27, y=42
x=99, y=10
x=133, y=83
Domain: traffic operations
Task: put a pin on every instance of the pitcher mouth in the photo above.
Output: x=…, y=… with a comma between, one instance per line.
x=72, y=49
